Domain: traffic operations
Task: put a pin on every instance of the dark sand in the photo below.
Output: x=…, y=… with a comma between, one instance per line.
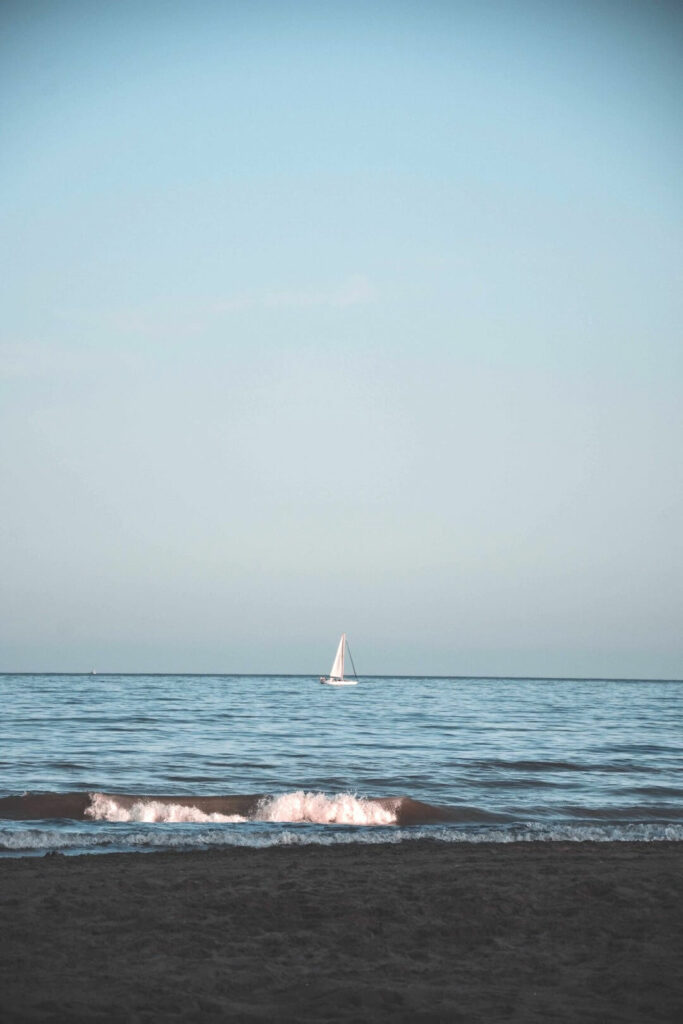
x=417, y=932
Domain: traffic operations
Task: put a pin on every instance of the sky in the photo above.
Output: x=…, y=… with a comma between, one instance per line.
x=359, y=316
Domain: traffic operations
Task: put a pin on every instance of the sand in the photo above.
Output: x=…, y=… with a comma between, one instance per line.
x=418, y=932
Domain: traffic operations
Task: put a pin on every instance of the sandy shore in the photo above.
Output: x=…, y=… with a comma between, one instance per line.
x=417, y=932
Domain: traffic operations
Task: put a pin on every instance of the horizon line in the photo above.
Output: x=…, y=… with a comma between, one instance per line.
x=367, y=675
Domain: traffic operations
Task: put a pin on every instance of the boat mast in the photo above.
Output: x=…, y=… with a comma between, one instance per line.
x=352, y=664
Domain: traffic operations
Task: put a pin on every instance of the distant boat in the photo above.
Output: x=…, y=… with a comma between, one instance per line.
x=336, y=676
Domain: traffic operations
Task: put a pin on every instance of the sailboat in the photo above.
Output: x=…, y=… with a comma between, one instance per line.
x=336, y=676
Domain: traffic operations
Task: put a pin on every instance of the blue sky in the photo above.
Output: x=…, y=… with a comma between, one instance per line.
x=324, y=316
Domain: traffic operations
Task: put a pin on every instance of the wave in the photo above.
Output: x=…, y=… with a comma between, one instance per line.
x=298, y=806
x=111, y=808
x=488, y=765
x=307, y=807
x=315, y=808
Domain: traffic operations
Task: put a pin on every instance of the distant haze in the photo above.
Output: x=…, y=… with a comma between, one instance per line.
x=342, y=316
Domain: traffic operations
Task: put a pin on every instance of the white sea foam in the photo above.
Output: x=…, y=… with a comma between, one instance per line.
x=107, y=808
x=320, y=809
x=32, y=841
x=315, y=808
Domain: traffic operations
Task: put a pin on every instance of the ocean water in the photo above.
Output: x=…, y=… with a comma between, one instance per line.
x=132, y=762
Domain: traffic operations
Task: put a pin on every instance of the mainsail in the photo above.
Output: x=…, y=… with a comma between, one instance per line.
x=337, y=670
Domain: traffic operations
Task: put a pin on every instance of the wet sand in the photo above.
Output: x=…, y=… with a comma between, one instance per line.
x=416, y=932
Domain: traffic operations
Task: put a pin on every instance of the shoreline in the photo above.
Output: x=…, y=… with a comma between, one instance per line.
x=425, y=931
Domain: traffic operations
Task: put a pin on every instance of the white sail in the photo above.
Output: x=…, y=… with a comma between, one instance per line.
x=337, y=670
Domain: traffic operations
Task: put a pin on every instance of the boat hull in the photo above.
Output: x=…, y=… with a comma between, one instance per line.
x=326, y=681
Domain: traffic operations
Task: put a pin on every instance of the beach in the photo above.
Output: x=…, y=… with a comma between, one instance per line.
x=417, y=931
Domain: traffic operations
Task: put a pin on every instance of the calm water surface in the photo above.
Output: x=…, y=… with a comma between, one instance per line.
x=393, y=758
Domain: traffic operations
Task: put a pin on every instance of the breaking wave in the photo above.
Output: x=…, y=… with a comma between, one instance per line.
x=315, y=808
x=320, y=809
x=108, y=808
x=298, y=806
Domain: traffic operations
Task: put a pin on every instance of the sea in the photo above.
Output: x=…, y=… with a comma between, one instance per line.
x=119, y=763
